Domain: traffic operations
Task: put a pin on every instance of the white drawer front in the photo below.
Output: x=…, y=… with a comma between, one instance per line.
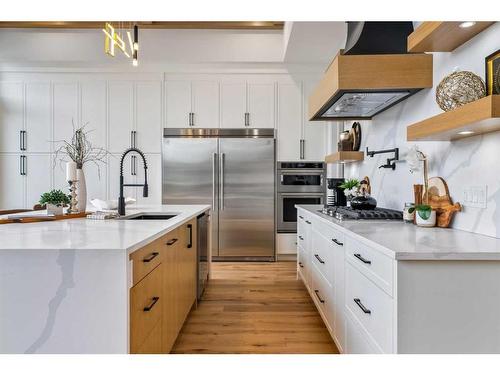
x=322, y=255
x=371, y=306
x=357, y=342
x=323, y=295
x=373, y=264
x=334, y=236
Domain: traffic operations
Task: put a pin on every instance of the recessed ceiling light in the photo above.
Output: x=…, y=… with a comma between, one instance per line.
x=466, y=24
x=466, y=132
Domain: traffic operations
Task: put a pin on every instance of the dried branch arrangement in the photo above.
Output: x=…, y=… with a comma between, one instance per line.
x=80, y=149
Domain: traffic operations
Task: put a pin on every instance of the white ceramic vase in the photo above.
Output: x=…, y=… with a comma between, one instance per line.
x=430, y=222
x=81, y=191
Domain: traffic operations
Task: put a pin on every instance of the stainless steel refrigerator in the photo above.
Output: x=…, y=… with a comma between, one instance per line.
x=233, y=170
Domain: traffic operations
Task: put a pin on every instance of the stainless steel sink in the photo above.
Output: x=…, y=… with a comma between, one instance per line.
x=149, y=216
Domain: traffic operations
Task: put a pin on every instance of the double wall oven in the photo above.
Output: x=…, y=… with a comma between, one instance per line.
x=298, y=183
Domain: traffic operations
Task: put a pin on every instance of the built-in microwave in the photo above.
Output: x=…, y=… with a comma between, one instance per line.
x=307, y=177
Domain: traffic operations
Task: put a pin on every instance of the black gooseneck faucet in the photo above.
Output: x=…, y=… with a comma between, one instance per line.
x=121, y=198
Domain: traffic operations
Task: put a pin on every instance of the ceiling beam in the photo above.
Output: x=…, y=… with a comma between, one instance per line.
x=236, y=25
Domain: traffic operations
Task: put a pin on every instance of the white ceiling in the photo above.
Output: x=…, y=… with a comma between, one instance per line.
x=301, y=42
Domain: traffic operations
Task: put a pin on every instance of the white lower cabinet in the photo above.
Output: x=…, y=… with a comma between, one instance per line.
x=356, y=340
x=286, y=244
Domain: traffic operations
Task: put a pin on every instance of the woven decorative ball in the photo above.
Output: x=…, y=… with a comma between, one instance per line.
x=459, y=88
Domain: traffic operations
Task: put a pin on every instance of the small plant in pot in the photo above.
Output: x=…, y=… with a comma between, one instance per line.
x=351, y=189
x=426, y=216
x=54, y=200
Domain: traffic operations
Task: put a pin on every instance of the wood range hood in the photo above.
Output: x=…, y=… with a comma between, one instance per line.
x=361, y=86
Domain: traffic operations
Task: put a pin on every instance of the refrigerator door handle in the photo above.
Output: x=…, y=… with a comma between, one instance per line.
x=221, y=181
x=214, y=176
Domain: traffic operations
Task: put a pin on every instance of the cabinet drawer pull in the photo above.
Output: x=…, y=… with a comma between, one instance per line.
x=302, y=217
x=171, y=242
x=151, y=257
x=316, y=291
x=319, y=259
x=154, y=300
x=337, y=242
x=308, y=222
x=301, y=238
x=301, y=265
x=361, y=306
x=190, y=229
x=366, y=261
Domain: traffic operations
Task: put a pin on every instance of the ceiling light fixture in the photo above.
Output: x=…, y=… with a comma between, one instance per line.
x=113, y=38
x=467, y=24
x=466, y=132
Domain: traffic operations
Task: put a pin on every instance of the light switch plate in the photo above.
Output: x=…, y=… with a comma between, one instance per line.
x=475, y=196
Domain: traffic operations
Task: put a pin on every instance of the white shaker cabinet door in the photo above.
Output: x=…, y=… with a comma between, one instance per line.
x=233, y=104
x=65, y=111
x=38, y=117
x=261, y=105
x=11, y=116
x=178, y=103
x=120, y=107
x=154, y=179
x=113, y=169
x=12, y=182
x=314, y=131
x=39, y=178
x=148, y=107
x=289, y=121
x=94, y=111
x=206, y=104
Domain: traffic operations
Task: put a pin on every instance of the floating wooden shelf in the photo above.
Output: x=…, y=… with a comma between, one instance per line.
x=479, y=117
x=442, y=36
x=345, y=157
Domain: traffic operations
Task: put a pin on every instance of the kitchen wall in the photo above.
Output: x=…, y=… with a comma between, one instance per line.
x=470, y=162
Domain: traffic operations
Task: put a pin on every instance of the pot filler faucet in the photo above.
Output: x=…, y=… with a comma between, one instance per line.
x=121, y=198
x=390, y=161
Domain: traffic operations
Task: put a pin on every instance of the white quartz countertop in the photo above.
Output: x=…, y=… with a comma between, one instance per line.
x=405, y=241
x=85, y=234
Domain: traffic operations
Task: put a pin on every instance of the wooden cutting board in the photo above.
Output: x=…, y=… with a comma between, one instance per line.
x=24, y=220
x=440, y=200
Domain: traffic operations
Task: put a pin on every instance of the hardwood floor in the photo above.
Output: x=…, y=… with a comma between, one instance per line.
x=255, y=308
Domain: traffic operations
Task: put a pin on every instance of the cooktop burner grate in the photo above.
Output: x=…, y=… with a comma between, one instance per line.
x=342, y=213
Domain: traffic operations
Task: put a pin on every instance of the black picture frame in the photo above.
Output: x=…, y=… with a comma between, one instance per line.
x=492, y=73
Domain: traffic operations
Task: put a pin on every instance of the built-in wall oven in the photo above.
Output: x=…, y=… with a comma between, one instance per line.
x=298, y=183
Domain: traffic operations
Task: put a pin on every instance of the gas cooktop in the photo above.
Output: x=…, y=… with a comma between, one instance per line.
x=348, y=213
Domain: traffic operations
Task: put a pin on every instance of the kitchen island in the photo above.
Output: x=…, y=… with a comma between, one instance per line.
x=98, y=286
x=386, y=286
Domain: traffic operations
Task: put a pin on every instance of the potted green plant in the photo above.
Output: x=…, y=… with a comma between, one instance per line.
x=54, y=200
x=425, y=215
x=350, y=188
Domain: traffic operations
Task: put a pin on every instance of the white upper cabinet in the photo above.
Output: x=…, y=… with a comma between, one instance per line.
x=148, y=116
x=205, y=104
x=154, y=179
x=261, y=105
x=178, y=106
x=121, y=124
x=11, y=116
x=38, y=117
x=289, y=121
x=314, y=134
x=233, y=104
x=94, y=111
x=113, y=169
x=65, y=111
x=38, y=169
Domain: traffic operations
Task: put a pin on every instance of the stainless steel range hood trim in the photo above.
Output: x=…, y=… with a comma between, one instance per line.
x=218, y=133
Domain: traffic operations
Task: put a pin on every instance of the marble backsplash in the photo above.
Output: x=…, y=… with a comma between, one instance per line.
x=466, y=163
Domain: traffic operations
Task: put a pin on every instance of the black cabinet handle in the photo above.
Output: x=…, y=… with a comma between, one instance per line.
x=308, y=222
x=21, y=140
x=25, y=140
x=301, y=238
x=154, y=300
x=21, y=165
x=361, y=306
x=190, y=229
x=337, y=242
x=302, y=217
x=319, y=259
x=301, y=265
x=316, y=291
x=171, y=242
x=151, y=257
x=366, y=261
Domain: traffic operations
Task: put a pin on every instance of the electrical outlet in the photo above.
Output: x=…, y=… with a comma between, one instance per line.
x=475, y=196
